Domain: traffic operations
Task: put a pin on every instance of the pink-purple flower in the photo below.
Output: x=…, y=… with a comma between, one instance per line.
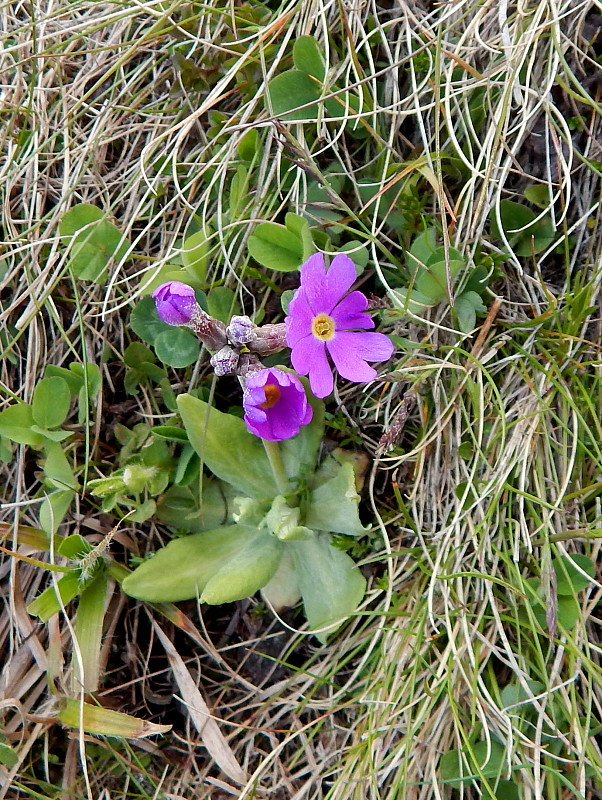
x=175, y=302
x=323, y=320
x=275, y=404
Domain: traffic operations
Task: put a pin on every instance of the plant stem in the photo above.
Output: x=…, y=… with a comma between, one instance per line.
x=274, y=455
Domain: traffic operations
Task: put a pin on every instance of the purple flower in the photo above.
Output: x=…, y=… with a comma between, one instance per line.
x=176, y=303
x=322, y=320
x=275, y=404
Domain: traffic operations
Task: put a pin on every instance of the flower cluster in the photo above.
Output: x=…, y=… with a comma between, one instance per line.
x=325, y=322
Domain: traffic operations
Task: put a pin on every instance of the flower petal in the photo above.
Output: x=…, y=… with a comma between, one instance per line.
x=322, y=289
x=308, y=357
x=299, y=319
x=341, y=275
x=313, y=276
x=351, y=350
x=350, y=313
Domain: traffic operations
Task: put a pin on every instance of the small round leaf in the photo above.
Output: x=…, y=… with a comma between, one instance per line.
x=177, y=348
x=51, y=401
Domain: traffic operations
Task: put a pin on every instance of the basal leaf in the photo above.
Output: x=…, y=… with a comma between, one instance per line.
x=195, y=254
x=569, y=579
x=94, y=242
x=182, y=569
x=246, y=571
x=227, y=448
x=331, y=585
x=333, y=505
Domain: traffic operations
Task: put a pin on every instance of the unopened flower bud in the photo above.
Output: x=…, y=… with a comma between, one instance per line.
x=177, y=305
x=268, y=339
x=175, y=302
x=212, y=332
x=240, y=330
x=225, y=361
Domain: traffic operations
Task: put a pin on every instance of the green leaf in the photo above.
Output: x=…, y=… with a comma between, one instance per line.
x=57, y=468
x=570, y=580
x=88, y=634
x=538, y=194
x=423, y=247
x=8, y=756
x=177, y=348
x=300, y=228
x=308, y=58
x=52, y=436
x=568, y=610
x=53, y=510
x=51, y=401
x=170, y=432
x=285, y=299
x=222, y=304
x=227, y=448
x=47, y=604
x=489, y=757
x=276, y=247
x=411, y=301
x=146, y=323
x=239, y=191
x=525, y=235
x=136, y=354
x=331, y=585
x=282, y=590
x=74, y=547
x=246, y=571
x=466, y=306
x=182, y=569
x=95, y=241
x=195, y=255
x=106, y=722
x=180, y=507
x=288, y=91
x=333, y=505
x=432, y=280
x=74, y=382
x=358, y=254
x=249, y=145
x=16, y=424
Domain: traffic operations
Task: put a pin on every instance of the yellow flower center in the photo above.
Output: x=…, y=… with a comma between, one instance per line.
x=323, y=327
x=272, y=395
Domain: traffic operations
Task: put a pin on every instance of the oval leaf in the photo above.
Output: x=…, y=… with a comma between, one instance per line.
x=248, y=570
x=227, y=448
x=290, y=90
x=331, y=585
x=177, y=348
x=276, y=247
x=51, y=401
x=182, y=569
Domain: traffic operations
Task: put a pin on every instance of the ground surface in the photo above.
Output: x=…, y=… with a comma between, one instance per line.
x=473, y=667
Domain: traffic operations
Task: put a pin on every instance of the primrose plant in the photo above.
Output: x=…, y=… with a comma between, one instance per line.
x=287, y=502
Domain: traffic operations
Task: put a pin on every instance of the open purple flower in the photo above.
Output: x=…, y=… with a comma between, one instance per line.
x=275, y=404
x=323, y=322
x=176, y=303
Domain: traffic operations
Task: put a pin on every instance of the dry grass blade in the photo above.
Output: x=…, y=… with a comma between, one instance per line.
x=204, y=721
x=455, y=109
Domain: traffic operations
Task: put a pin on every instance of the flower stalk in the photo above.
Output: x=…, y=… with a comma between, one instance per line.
x=274, y=455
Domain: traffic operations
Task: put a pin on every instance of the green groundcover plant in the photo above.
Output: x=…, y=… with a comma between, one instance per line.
x=287, y=501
